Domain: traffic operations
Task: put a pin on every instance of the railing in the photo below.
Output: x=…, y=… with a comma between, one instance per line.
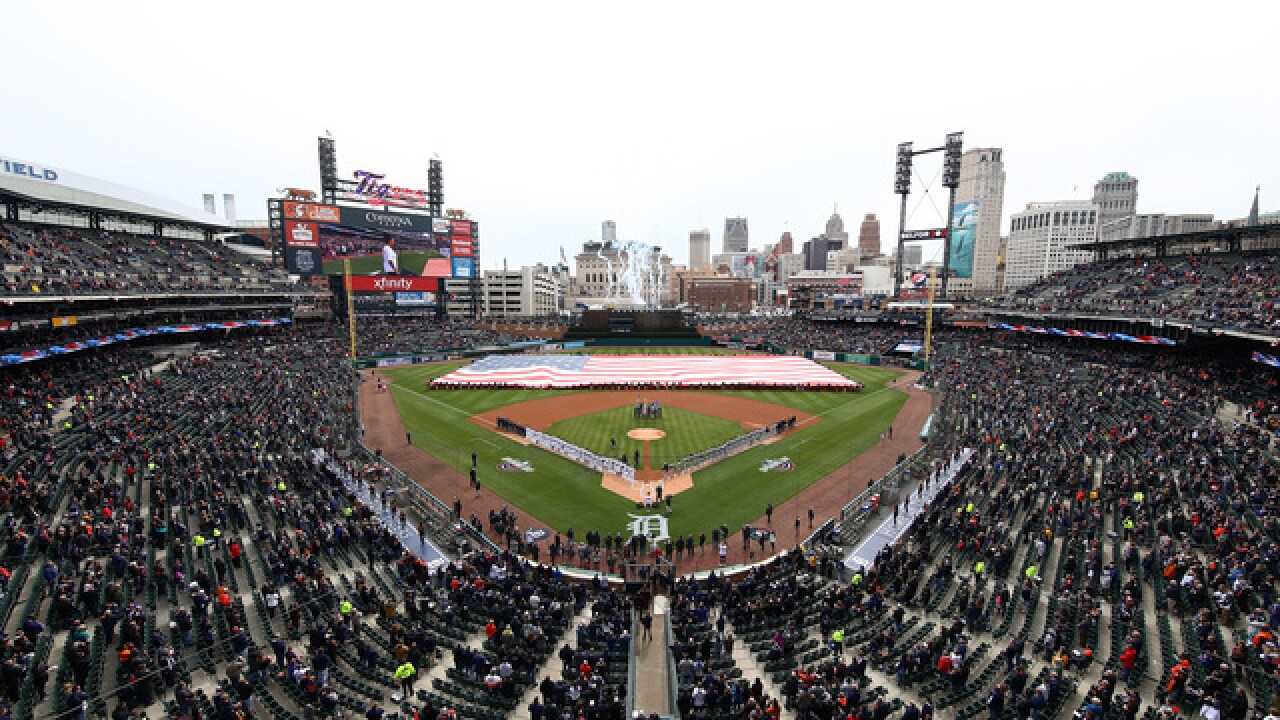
x=673, y=682
x=816, y=536
x=853, y=519
x=631, y=667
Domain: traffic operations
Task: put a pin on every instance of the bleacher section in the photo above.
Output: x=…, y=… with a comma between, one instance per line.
x=1236, y=292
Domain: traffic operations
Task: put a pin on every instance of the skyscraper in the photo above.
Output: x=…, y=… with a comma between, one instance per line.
x=869, y=235
x=784, y=246
x=699, y=249
x=609, y=232
x=735, y=234
x=1116, y=196
x=837, y=238
x=975, y=231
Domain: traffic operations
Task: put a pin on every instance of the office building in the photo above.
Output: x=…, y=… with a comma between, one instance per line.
x=699, y=249
x=789, y=264
x=609, y=232
x=844, y=260
x=784, y=246
x=717, y=294
x=1046, y=238
x=912, y=255
x=869, y=235
x=736, y=238
x=975, y=231
x=837, y=238
x=536, y=291
x=1116, y=196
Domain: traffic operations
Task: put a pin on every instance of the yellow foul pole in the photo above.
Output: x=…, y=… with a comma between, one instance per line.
x=928, y=317
x=351, y=306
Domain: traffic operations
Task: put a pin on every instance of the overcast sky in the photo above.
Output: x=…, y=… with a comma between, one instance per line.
x=664, y=116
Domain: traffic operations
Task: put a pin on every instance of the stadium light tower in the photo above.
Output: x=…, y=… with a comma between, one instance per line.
x=952, y=150
x=950, y=180
x=902, y=188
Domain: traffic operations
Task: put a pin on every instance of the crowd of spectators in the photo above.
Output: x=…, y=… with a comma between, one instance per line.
x=1237, y=292
x=412, y=333
x=836, y=336
x=38, y=260
x=179, y=535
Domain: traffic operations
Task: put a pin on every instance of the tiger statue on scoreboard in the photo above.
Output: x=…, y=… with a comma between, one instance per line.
x=297, y=194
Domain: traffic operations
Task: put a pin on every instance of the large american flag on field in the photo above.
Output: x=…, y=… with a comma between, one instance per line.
x=569, y=371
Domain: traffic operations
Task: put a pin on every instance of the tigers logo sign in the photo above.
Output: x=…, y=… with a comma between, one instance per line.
x=514, y=465
x=782, y=464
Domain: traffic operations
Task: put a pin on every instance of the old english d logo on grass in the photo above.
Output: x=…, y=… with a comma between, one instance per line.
x=653, y=527
x=782, y=464
x=514, y=465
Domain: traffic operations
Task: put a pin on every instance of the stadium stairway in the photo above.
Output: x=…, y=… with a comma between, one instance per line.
x=652, y=693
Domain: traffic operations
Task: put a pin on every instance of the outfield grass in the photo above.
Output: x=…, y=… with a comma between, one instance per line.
x=732, y=492
x=411, y=263
x=687, y=433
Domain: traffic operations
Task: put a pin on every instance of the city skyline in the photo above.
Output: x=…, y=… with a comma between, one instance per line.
x=95, y=100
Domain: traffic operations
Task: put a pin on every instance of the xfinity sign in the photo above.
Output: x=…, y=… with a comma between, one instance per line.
x=30, y=170
x=384, y=283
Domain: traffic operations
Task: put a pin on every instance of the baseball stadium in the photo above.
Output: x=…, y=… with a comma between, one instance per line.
x=308, y=470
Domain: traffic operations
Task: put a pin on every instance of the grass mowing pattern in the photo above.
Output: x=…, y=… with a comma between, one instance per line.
x=687, y=433
x=732, y=492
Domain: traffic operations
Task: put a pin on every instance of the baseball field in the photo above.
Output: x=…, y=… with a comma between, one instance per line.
x=833, y=428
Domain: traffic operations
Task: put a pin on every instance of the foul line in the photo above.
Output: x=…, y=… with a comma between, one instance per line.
x=434, y=401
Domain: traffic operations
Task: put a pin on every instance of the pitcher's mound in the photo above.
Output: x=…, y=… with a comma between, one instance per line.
x=646, y=434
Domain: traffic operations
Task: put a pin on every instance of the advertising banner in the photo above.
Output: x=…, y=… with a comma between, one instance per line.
x=935, y=234
x=824, y=355
x=461, y=247
x=301, y=234
x=384, y=283
x=414, y=299
x=460, y=227
x=64, y=321
x=963, y=231
x=312, y=211
x=462, y=267
x=440, y=226
x=302, y=261
x=379, y=220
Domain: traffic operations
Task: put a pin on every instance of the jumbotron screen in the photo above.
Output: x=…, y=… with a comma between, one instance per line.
x=331, y=239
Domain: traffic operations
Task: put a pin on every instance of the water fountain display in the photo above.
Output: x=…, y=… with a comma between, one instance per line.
x=636, y=272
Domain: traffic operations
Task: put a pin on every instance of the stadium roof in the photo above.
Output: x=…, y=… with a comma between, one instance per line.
x=46, y=185
x=1233, y=236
